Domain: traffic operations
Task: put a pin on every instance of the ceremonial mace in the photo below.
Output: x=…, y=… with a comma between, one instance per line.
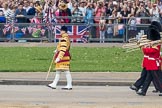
x=49, y=69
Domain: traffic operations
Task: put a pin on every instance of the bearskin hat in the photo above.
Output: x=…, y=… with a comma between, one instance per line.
x=153, y=33
x=157, y=24
x=64, y=28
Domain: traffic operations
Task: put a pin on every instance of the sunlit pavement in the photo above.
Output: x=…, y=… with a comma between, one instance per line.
x=40, y=96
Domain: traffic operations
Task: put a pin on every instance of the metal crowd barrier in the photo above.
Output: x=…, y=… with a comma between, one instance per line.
x=27, y=32
x=78, y=32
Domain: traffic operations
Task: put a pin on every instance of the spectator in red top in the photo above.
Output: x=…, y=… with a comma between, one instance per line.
x=64, y=12
x=99, y=10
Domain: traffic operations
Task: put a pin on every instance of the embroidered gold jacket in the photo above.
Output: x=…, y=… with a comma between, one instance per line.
x=63, y=53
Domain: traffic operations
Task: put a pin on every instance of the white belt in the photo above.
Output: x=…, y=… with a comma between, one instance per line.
x=146, y=56
x=149, y=58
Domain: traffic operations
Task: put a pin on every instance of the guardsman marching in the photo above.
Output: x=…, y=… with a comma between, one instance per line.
x=62, y=60
x=139, y=83
x=153, y=64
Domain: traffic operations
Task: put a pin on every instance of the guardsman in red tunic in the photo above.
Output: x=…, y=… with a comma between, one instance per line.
x=62, y=60
x=139, y=83
x=153, y=62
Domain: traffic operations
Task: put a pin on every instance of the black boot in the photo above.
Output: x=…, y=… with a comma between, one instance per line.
x=132, y=87
x=155, y=91
x=160, y=94
x=141, y=93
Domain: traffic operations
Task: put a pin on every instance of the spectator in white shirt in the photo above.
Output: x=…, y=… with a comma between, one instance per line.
x=82, y=8
x=5, y=9
x=154, y=12
x=26, y=6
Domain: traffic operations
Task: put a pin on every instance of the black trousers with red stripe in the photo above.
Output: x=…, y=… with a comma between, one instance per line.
x=141, y=80
x=139, y=83
x=156, y=77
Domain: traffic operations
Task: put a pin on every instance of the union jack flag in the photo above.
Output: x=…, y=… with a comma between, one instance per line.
x=77, y=33
x=8, y=27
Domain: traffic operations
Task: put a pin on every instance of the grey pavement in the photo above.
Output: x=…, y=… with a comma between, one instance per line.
x=79, y=78
x=38, y=96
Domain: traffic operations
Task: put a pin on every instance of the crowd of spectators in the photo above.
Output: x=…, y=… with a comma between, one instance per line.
x=102, y=12
x=78, y=11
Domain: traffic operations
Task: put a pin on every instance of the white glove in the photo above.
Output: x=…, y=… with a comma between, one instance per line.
x=57, y=60
x=54, y=51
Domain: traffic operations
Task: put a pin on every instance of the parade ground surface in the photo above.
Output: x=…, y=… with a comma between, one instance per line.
x=90, y=89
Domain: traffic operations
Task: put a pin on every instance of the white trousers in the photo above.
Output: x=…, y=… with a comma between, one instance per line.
x=57, y=77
